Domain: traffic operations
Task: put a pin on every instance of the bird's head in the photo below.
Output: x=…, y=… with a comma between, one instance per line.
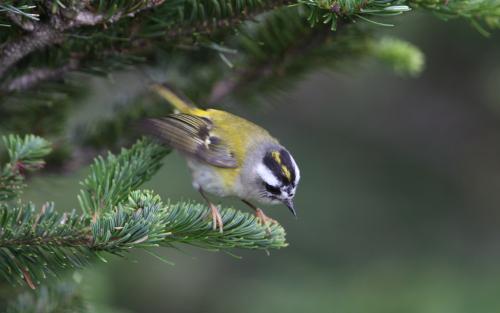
x=278, y=176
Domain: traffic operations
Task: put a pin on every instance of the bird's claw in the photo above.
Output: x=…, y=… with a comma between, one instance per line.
x=216, y=218
x=264, y=220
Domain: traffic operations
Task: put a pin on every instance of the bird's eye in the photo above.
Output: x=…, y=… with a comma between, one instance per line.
x=272, y=189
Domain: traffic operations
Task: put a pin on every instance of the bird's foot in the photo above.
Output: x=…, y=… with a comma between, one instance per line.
x=216, y=218
x=264, y=220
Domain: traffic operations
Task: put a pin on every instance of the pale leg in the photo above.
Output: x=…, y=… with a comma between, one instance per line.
x=216, y=217
x=263, y=218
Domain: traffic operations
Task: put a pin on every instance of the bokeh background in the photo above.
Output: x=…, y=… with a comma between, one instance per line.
x=397, y=207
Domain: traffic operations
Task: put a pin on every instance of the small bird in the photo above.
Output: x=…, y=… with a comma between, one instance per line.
x=227, y=155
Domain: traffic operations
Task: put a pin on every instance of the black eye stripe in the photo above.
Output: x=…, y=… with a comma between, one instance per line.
x=272, y=189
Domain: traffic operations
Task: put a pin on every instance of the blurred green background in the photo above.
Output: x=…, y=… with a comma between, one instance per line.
x=397, y=207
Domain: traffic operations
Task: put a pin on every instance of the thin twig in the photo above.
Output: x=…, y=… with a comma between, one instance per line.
x=208, y=27
x=36, y=76
x=47, y=34
x=13, y=51
x=25, y=24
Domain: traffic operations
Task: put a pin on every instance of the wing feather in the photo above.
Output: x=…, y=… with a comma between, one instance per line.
x=192, y=135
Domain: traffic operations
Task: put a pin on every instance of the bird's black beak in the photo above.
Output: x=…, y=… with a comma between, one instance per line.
x=289, y=204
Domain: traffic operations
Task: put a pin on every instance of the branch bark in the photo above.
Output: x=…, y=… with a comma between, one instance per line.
x=42, y=36
x=25, y=24
x=36, y=76
x=232, y=21
x=53, y=32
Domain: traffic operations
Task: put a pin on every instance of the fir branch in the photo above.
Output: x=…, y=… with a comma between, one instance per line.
x=281, y=48
x=35, y=244
x=20, y=15
x=480, y=13
x=28, y=152
x=187, y=223
x=84, y=17
x=138, y=222
x=22, y=10
x=178, y=20
x=112, y=179
x=25, y=154
x=13, y=51
x=236, y=13
x=46, y=34
x=332, y=12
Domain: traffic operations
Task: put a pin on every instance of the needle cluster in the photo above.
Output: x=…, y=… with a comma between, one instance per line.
x=115, y=217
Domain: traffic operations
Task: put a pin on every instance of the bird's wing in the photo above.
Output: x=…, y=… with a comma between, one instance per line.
x=192, y=135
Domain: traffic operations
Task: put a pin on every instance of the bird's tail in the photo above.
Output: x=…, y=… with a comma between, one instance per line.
x=178, y=101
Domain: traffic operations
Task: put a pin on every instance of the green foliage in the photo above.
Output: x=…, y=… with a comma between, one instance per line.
x=138, y=222
x=25, y=154
x=207, y=43
x=187, y=223
x=405, y=58
x=112, y=179
x=480, y=13
x=126, y=40
x=283, y=48
x=332, y=11
x=39, y=243
x=22, y=11
x=212, y=49
x=29, y=151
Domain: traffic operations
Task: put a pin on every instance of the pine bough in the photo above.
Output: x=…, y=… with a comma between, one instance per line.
x=115, y=216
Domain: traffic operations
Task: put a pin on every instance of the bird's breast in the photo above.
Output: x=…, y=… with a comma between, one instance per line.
x=215, y=180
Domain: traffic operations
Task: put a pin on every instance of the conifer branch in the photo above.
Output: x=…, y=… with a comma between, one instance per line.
x=15, y=50
x=173, y=22
x=112, y=179
x=482, y=14
x=25, y=154
x=46, y=34
x=208, y=24
x=19, y=15
x=282, y=48
x=117, y=217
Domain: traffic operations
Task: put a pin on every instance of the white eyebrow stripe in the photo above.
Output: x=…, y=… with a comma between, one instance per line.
x=267, y=176
x=297, y=171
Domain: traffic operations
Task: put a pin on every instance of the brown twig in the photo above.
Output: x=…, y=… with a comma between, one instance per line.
x=53, y=32
x=36, y=76
x=13, y=51
x=25, y=24
x=44, y=35
x=208, y=27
